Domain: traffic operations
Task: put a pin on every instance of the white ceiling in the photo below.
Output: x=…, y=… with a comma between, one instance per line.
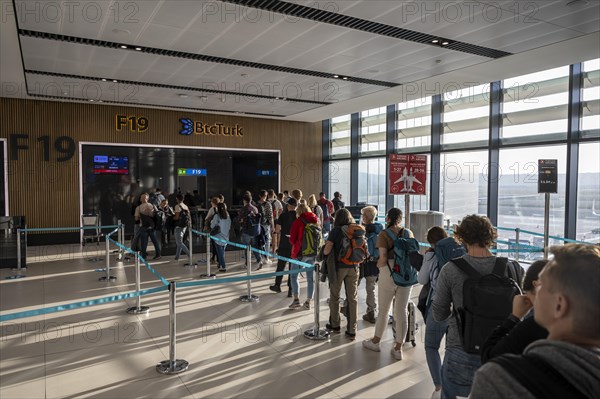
x=538, y=34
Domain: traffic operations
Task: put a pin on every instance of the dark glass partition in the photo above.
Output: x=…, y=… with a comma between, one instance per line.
x=3, y=194
x=115, y=176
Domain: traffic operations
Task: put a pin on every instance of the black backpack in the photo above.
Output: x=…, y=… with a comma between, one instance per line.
x=539, y=377
x=325, y=208
x=184, y=218
x=487, y=301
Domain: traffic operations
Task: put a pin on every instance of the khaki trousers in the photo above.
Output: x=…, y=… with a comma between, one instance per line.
x=349, y=277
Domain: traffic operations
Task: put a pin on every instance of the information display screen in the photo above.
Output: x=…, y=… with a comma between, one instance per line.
x=111, y=165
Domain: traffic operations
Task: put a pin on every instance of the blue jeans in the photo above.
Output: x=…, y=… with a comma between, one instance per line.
x=310, y=278
x=220, y=251
x=144, y=234
x=179, y=232
x=247, y=240
x=326, y=227
x=458, y=372
x=434, y=332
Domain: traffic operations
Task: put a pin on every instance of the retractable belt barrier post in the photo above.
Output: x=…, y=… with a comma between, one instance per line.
x=315, y=333
x=19, y=267
x=120, y=240
x=249, y=297
x=191, y=262
x=108, y=277
x=139, y=308
x=173, y=365
x=208, y=255
x=517, y=235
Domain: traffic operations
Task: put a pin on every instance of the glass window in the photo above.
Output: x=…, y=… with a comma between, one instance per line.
x=339, y=179
x=463, y=186
x=372, y=131
x=536, y=104
x=340, y=137
x=413, y=125
x=466, y=115
x=417, y=202
x=520, y=205
x=590, y=121
x=372, y=182
x=588, y=193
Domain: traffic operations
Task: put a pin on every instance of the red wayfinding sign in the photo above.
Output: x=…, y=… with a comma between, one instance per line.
x=408, y=174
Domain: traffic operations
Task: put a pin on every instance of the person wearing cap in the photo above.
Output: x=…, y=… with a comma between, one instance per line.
x=283, y=226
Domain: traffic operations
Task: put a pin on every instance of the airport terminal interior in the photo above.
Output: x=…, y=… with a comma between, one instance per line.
x=441, y=109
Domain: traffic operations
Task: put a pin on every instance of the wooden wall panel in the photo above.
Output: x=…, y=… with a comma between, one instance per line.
x=47, y=192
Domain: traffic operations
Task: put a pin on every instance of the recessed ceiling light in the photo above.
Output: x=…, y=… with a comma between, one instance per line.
x=445, y=43
x=99, y=101
x=65, y=93
x=203, y=98
x=434, y=41
x=123, y=46
x=336, y=76
x=138, y=48
x=276, y=98
x=345, y=78
x=104, y=80
x=91, y=100
x=114, y=80
x=183, y=95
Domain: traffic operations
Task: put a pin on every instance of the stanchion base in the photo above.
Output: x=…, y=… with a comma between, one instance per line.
x=190, y=265
x=100, y=270
x=317, y=335
x=166, y=367
x=16, y=269
x=136, y=310
x=94, y=260
x=211, y=276
x=251, y=298
x=110, y=278
x=15, y=277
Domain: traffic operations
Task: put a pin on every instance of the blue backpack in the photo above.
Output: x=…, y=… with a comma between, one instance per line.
x=253, y=224
x=373, y=231
x=403, y=273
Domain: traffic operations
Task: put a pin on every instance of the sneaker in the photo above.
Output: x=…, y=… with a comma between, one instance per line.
x=295, y=304
x=307, y=304
x=157, y=257
x=222, y=269
x=275, y=288
x=289, y=293
x=396, y=353
x=436, y=394
x=329, y=327
x=176, y=258
x=260, y=265
x=350, y=335
x=370, y=345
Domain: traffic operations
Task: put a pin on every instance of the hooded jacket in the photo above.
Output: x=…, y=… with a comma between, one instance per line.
x=579, y=365
x=297, y=232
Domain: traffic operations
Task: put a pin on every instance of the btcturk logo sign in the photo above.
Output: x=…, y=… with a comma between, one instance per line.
x=189, y=126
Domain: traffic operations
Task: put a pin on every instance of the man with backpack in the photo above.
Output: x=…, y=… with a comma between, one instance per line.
x=277, y=210
x=181, y=219
x=283, y=227
x=369, y=269
x=266, y=212
x=328, y=209
x=567, y=364
x=476, y=292
x=250, y=222
x=347, y=243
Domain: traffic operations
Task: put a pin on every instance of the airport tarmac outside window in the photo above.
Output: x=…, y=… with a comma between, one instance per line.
x=372, y=182
x=536, y=104
x=339, y=179
x=413, y=125
x=590, y=121
x=588, y=193
x=463, y=185
x=519, y=203
x=466, y=115
x=340, y=137
x=372, y=131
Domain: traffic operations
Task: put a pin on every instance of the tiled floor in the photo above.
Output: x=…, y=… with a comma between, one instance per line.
x=235, y=349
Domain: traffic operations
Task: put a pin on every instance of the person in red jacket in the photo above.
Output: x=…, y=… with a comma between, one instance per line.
x=305, y=216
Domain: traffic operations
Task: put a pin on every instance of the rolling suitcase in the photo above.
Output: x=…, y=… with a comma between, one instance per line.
x=412, y=324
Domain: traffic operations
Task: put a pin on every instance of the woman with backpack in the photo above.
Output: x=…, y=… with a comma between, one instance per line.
x=305, y=224
x=221, y=220
x=388, y=290
x=369, y=269
x=181, y=219
x=434, y=330
x=315, y=208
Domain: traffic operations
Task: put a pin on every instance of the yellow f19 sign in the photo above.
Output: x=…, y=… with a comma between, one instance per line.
x=132, y=123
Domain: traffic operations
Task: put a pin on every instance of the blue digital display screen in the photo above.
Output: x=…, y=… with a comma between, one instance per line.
x=262, y=172
x=111, y=165
x=191, y=172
